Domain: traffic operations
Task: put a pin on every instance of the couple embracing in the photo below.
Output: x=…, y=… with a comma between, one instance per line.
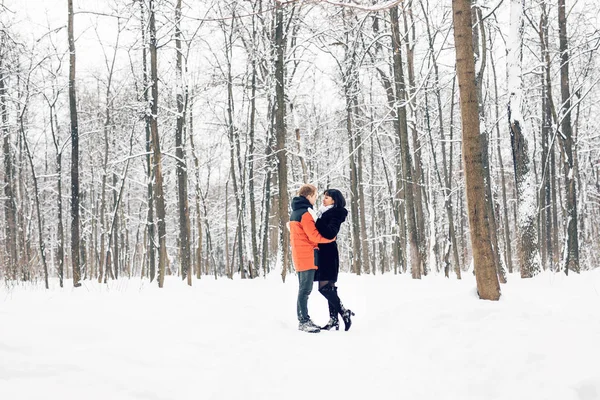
x=315, y=253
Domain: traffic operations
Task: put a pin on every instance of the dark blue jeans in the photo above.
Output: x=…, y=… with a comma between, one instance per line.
x=305, y=279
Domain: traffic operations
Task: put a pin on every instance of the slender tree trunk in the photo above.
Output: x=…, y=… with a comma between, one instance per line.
x=488, y=286
x=280, y=129
x=448, y=198
x=158, y=187
x=420, y=198
x=197, y=194
x=59, y=206
x=507, y=245
x=254, y=271
x=37, y=205
x=151, y=243
x=572, y=252
x=447, y=182
x=75, y=239
x=415, y=255
x=356, y=253
x=480, y=40
x=182, y=178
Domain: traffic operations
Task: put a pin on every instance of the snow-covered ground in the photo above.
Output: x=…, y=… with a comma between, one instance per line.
x=428, y=339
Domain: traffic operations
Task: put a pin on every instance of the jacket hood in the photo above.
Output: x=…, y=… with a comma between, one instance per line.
x=299, y=202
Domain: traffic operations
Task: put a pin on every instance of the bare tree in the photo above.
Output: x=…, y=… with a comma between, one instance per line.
x=280, y=134
x=75, y=239
x=182, y=177
x=572, y=251
x=488, y=286
x=158, y=175
x=522, y=155
x=400, y=90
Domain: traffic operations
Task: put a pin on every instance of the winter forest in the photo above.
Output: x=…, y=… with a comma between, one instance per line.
x=153, y=138
x=151, y=155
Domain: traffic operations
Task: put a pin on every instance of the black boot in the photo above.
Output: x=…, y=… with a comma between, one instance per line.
x=346, y=317
x=329, y=291
x=333, y=319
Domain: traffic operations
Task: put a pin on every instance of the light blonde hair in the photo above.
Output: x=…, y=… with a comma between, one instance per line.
x=307, y=190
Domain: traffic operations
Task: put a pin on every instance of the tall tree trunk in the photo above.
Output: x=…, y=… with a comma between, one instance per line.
x=10, y=207
x=354, y=212
x=149, y=170
x=255, y=269
x=420, y=198
x=75, y=238
x=280, y=133
x=37, y=204
x=448, y=198
x=182, y=178
x=198, y=194
x=158, y=176
x=548, y=148
x=361, y=195
x=59, y=206
x=522, y=156
x=572, y=251
x=480, y=40
x=507, y=245
x=236, y=171
x=488, y=286
x=447, y=182
x=415, y=255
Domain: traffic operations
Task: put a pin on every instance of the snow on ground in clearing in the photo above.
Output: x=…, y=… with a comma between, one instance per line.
x=428, y=339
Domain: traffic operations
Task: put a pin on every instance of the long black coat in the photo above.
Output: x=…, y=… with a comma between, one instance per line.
x=328, y=226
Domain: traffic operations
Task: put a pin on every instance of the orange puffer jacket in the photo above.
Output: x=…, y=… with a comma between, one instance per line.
x=304, y=236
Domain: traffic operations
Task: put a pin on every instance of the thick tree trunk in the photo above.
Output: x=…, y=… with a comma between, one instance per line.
x=488, y=286
x=75, y=238
x=524, y=175
x=10, y=207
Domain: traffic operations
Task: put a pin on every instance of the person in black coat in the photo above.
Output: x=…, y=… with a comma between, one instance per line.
x=330, y=218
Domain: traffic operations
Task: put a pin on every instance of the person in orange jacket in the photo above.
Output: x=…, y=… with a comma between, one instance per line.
x=305, y=239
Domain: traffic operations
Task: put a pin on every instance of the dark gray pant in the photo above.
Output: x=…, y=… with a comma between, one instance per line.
x=305, y=279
